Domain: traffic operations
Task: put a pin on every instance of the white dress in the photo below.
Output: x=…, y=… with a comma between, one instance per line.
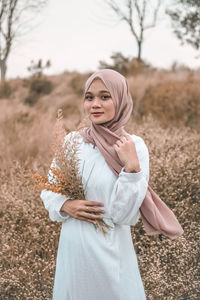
x=90, y=266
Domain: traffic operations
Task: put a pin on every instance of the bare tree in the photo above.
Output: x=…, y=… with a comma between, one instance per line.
x=15, y=19
x=140, y=15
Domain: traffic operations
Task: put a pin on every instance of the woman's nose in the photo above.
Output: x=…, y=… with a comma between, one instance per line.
x=96, y=102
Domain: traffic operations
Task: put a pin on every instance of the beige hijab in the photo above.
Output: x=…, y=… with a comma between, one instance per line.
x=157, y=218
x=104, y=136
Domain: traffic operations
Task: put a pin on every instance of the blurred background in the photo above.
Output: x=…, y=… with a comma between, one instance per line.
x=48, y=49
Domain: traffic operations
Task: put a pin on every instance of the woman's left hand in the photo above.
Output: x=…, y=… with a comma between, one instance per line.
x=126, y=151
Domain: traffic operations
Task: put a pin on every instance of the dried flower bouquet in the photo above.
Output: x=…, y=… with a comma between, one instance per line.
x=64, y=177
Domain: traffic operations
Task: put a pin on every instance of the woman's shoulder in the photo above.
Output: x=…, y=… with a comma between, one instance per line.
x=136, y=138
x=138, y=141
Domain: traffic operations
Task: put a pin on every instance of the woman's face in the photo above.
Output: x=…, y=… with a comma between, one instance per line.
x=98, y=103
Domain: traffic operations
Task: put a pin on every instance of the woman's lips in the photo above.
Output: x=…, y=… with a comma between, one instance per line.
x=97, y=114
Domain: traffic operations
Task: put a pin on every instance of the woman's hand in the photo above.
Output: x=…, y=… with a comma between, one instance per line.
x=126, y=151
x=83, y=209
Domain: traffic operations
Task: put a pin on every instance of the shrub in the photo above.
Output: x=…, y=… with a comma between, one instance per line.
x=138, y=67
x=5, y=90
x=38, y=86
x=119, y=63
x=77, y=83
x=125, y=65
x=173, y=102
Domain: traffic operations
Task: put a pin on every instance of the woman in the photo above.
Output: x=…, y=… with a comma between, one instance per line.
x=90, y=266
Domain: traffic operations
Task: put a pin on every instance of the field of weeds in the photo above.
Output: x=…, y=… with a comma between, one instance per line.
x=29, y=239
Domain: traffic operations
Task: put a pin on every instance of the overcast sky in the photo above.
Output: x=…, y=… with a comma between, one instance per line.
x=76, y=34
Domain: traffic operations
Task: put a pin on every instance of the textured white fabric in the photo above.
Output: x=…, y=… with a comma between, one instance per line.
x=90, y=266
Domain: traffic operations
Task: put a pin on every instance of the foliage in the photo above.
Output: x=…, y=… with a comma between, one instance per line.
x=173, y=102
x=36, y=69
x=38, y=86
x=186, y=21
x=125, y=65
x=119, y=64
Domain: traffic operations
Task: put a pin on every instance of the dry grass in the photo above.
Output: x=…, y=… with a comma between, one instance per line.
x=170, y=98
x=29, y=239
x=170, y=268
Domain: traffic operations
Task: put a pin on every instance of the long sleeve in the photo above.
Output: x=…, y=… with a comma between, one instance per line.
x=54, y=201
x=130, y=189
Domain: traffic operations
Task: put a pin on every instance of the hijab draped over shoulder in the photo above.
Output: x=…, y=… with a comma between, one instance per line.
x=156, y=216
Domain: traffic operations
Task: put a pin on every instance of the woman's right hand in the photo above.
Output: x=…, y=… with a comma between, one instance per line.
x=83, y=209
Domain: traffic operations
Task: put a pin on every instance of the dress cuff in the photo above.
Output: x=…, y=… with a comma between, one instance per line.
x=131, y=176
x=63, y=215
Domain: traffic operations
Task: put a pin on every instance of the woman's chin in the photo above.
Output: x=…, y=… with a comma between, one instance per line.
x=98, y=120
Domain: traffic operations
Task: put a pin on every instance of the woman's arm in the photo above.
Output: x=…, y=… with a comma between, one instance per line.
x=53, y=203
x=130, y=189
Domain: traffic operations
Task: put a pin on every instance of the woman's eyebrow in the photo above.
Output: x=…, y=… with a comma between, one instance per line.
x=103, y=91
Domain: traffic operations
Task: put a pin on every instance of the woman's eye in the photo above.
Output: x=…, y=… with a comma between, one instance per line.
x=105, y=97
x=88, y=97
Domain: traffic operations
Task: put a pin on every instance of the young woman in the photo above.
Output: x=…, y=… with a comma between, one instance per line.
x=90, y=266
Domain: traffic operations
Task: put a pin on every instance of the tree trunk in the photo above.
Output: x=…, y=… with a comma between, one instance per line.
x=3, y=70
x=139, y=50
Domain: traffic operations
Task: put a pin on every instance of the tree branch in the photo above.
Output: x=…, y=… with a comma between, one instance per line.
x=155, y=15
x=135, y=16
x=12, y=20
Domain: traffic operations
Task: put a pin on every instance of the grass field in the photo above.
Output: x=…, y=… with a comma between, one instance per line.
x=166, y=115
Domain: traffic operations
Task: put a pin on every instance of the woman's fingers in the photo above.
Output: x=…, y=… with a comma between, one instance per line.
x=91, y=216
x=116, y=147
x=93, y=203
x=87, y=214
x=87, y=220
x=122, y=140
x=94, y=209
x=80, y=209
x=125, y=138
x=118, y=143
x=91, y=208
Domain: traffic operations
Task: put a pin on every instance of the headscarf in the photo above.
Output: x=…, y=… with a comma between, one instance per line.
x=105, y=136
x=156, y=216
